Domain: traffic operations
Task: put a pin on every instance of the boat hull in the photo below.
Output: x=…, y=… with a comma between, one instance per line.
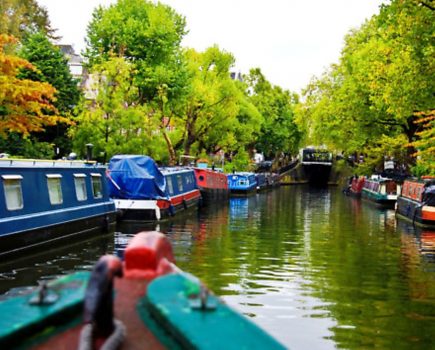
x=155, y=210
x=21, y=243
x=414, y=212
x=212, y=184
x=45, y=202
x=384, y=201
x=416, y=202
x=214, y=194
x=242, y=184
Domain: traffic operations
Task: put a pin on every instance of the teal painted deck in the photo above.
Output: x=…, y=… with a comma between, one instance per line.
x=173, y=300
x=20, y=318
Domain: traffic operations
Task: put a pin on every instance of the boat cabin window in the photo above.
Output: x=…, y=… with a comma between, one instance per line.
x=13, y=191
x=54, y=188
x=170, y=186
x=97, y=186
x=180, y=182
x=80, y=185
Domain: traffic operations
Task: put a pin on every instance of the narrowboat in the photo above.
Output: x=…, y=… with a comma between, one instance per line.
x=355, y=186
x=242, y=183
x=142, y=302
x=43, y=202
x=416, y=202
x=381, y=191
x=212, y=184
x=144, y=192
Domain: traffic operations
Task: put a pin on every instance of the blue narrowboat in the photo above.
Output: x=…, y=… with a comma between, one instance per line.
x=144, y=192
x=242, y=183
x=42, y=202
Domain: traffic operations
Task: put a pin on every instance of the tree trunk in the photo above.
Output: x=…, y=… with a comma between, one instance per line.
x=171, y=150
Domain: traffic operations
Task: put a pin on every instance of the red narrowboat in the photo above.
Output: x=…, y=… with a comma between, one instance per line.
x=355, y=187
x=212, y=184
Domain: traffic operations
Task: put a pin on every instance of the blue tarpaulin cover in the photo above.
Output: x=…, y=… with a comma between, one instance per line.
x=135, y=177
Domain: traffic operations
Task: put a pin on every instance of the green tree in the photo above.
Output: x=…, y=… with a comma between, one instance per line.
x=113, y=122
x=52, y=67
x=147, y=34
x=209, y=117
x=279, y=132
x=366, y=103
x=22, y=17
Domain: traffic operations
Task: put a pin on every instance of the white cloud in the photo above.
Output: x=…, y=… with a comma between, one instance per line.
x=290, y=40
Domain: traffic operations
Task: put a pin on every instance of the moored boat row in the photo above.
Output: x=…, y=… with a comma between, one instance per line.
x=413, y=200
x=43, y=202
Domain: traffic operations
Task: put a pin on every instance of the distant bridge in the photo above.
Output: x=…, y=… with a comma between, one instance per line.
x=315, y=167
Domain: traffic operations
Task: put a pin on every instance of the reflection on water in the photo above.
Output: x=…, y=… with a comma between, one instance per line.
x=317, y=269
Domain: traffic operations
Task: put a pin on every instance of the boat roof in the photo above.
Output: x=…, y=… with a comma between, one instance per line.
x=47, y=163
x=173, y=170
x=242, y=173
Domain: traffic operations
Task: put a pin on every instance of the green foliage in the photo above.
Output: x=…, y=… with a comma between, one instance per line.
x=279, y=132
x=147, y=34
x=239, y=162
x=30, y=148
x=52, y=67
x=425, y=144
x=385, y=74
x=23, y=17
x=209, y=116
x=113, y=122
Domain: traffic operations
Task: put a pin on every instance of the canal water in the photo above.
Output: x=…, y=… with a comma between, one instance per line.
x=316, y=269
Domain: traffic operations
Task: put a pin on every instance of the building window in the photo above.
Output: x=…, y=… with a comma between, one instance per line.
x=97, y=186
x=80, y=185
x=54, y=188
x=13, y=191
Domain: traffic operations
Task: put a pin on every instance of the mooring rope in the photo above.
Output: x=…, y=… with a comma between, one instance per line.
x=112, y=343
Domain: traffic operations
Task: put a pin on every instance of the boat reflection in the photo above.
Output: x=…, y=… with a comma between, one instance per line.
x=422, y=242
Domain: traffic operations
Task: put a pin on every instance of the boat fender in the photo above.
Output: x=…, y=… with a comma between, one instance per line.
x=184, y=203
x=98, y=303
x=145, y=254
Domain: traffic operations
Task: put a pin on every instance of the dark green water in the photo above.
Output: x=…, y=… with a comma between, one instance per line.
x=315, y=268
